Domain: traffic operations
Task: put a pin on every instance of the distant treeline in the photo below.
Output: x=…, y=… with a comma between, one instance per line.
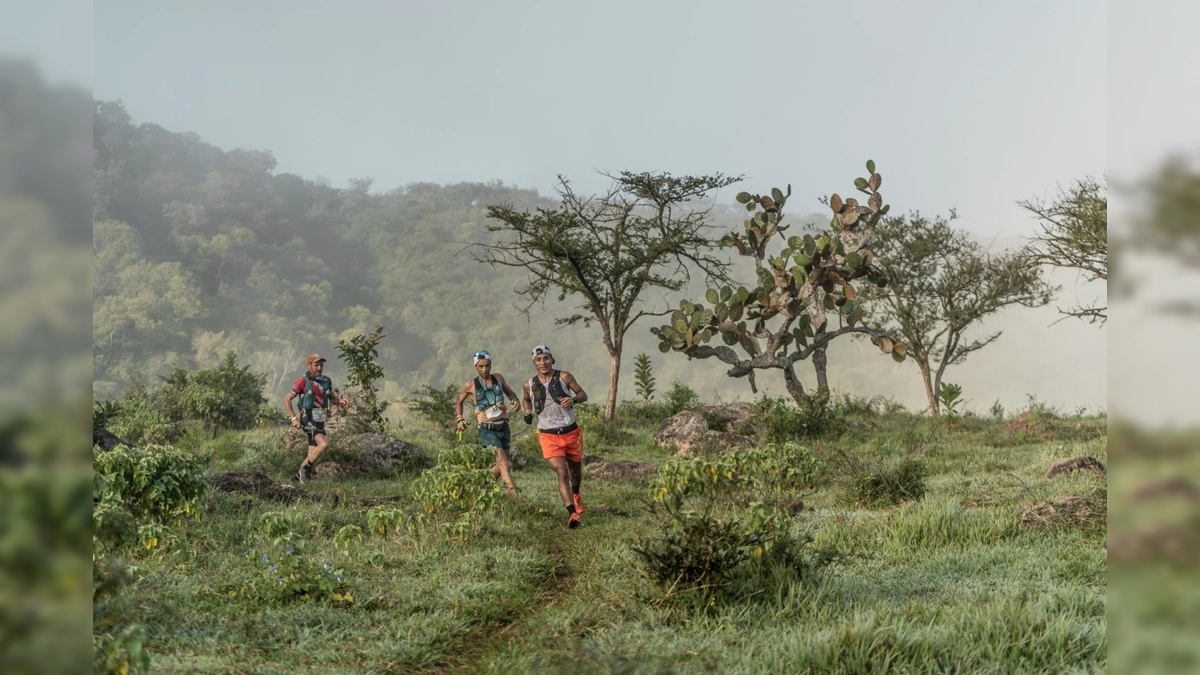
x=199, y=251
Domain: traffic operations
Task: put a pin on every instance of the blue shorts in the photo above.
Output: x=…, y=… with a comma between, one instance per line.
x=498, y=436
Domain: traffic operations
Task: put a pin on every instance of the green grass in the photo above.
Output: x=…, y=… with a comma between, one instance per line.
x=951, y=583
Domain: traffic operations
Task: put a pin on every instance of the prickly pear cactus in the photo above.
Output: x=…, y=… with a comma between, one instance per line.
x=810, y=279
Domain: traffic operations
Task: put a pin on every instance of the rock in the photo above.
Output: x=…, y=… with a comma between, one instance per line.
x=1072, y=464
x=374, y=453
x=688, y=432
x=681, y=428
x=729, y=416
x=715, y=442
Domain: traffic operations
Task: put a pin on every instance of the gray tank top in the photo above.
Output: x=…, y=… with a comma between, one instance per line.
x=552, y=415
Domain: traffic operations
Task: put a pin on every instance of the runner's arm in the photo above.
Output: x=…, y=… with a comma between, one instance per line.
x=572, y=384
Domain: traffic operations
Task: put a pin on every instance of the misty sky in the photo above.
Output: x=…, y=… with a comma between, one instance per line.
x=971, y=106
x=962, y=105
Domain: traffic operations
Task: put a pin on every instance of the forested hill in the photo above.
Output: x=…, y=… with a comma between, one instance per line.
x=198, y=251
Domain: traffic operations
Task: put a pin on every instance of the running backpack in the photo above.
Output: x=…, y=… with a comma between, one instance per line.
x=308, y=399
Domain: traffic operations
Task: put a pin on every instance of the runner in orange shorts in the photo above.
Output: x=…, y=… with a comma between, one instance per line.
x=552, y=394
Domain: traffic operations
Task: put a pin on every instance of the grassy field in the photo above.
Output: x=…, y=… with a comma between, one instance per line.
x=955, y=581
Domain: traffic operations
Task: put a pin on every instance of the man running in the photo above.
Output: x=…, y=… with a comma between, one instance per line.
x=315, y=391
x=493, y=399
x=552, y=394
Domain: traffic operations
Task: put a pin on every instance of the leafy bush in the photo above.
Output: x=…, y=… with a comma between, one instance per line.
x=361, y=354
x=435, y=405
x=709, y=557
x=786, y=467
x=678, y=398
x=460, y=485
x=141, y=420
x=286, y=571
x=774, y=420
x=122, y=653
x=696, y=552
x=156, y=483
x=903, y=482
x=226, y=397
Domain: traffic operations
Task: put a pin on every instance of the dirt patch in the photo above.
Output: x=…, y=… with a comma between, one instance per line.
x=260, y=485
x=1073, y=464
x=621, y=470
x=1067, y=510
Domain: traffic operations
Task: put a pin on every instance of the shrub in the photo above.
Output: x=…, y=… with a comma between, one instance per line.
x=286, y=570
x=903, y=482
x=774, y=420
x=141, y=420
x=361, y=354
x=226, y=397
x=597, y=430
x=435, y=405
x=678, y=398
x=155, y=483
x=461, y=485
x=786, y=467
x=710, y=557
x=696, y=552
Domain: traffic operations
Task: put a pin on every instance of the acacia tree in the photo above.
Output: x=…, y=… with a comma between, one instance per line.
x=1073, y=234
x=609, y=250
x=785, y=317
x=940, y=284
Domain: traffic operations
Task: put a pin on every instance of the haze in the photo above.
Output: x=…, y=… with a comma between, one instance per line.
x=963, y=106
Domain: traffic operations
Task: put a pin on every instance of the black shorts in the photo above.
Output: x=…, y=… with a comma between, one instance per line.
x=311, y=428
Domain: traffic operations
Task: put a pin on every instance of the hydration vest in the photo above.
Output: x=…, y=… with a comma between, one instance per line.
x=308, y=399
x=538, y=391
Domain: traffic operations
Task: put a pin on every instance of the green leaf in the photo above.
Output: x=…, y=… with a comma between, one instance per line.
x=870, y=166
x=726, y=293
x=712, y=296
x=743, y=197
x=777, y=195
x=730, y=338
x=860, y=183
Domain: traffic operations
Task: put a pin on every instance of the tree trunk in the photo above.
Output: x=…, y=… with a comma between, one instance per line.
x=614, y=376
x=820, y=364
x=794, y=387
x=930, y=394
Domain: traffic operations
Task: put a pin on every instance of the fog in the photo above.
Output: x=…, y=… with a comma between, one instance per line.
x=526, y=92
